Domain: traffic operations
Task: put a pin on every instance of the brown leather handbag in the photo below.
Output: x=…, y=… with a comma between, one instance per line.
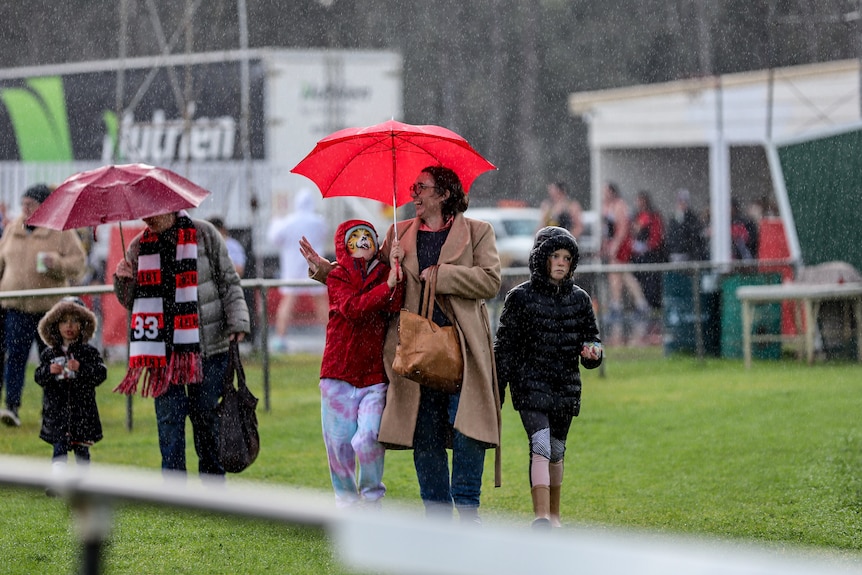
x=428, y=353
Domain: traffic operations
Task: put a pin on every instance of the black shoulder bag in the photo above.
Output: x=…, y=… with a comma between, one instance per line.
x=239, y=441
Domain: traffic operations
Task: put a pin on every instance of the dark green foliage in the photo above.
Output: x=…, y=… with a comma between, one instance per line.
x=496, y=71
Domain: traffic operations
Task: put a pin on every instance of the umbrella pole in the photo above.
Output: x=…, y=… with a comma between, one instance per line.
x=122, y=239
x=395, y=201
x=394, y=186
x=394, y=216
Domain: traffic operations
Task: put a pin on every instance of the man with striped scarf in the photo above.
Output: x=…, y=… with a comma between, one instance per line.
x=187, y=304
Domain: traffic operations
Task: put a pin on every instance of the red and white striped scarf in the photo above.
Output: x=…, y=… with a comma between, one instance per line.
x=164, y=339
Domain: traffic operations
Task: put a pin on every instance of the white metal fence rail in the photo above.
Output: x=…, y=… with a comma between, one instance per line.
x=398, y=540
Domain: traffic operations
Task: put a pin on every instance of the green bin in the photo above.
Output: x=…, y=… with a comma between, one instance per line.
x=767, y=317
x=680, y=320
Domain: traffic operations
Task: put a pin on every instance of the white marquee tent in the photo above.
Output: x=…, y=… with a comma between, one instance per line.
x=714, y=136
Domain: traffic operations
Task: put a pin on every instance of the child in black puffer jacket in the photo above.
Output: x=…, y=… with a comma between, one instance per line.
x=547, y=327
x=69, y=371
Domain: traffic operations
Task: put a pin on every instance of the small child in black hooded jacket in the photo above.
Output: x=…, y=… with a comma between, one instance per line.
x=69, y=371
x=547, y=328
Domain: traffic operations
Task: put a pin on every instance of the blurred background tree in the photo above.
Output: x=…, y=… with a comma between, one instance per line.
x=496, y=71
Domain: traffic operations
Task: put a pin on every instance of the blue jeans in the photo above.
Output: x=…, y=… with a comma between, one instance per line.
x=198, y=402
x=20, y=333
x=434, y=427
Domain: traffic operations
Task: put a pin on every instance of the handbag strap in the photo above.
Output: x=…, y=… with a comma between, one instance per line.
x=234, y=366
x=236, y=360
x=429, y=292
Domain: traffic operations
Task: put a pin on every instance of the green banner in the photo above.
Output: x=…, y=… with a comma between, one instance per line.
x=824, y=187
x=38, y=115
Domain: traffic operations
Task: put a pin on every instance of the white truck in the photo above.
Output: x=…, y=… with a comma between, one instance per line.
x=195, y=114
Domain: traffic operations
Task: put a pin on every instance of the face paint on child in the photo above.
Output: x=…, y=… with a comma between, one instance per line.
x=361, y=243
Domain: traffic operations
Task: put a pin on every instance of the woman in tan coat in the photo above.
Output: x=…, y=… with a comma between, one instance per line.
x=31, y=258
x=419, y=418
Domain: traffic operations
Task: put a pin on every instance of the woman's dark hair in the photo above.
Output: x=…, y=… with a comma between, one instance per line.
x=614, y=188
x=562, y=186
x=647, y=200
x=446, y=179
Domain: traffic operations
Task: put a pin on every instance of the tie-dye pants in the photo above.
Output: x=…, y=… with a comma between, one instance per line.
x=350, y=419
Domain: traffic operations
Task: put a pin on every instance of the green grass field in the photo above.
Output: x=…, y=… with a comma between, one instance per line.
x=771, y=455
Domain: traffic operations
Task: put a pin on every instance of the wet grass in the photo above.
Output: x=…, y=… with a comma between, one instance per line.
x=770, y=455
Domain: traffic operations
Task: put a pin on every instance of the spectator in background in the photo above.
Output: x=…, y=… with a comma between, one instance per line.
x=744, y=235
x=561, y=211
x=648, y=247
x=685, y=232
x=31, y=258
x=285, y=234
x=617, y=249
x=3, y=222
x=234, y=248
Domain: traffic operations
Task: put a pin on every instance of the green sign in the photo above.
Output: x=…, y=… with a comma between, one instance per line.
x=37, y=111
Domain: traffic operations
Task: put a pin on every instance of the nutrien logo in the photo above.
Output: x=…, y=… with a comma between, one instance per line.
x=37, y=111
x=163, y=140
x=38, y=115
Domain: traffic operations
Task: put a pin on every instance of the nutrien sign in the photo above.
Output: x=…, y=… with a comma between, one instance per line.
x=72, y=116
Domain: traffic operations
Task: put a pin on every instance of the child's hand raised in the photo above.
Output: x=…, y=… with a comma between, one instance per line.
x=312, y=258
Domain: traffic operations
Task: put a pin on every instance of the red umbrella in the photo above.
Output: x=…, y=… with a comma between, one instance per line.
x=115, y=194
x=363, y=162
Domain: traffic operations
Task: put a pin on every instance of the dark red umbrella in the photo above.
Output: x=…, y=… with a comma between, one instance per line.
x=116, y=194
x=380, y=162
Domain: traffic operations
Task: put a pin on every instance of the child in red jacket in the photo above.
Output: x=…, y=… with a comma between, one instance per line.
x=363, y=293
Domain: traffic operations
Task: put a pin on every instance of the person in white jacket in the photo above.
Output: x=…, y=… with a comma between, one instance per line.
x=285, y=233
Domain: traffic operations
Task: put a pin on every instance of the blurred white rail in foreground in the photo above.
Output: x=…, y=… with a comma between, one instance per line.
x=402, y=541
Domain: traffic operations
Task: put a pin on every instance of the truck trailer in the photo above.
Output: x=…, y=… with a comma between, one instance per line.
x=234, y=122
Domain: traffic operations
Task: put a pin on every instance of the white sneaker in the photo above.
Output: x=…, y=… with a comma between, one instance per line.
x=278, y=345
x=58, y=470
x=10, y=418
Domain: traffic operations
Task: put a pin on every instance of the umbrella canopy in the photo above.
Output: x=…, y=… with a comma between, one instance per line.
x=380, y=162
x=115, y=194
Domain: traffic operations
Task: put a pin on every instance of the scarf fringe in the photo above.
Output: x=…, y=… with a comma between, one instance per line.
x=155, y=381
x=184, y=368
x=129, y=385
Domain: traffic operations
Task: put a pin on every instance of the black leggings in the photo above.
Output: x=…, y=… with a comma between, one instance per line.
x=558, y=424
